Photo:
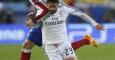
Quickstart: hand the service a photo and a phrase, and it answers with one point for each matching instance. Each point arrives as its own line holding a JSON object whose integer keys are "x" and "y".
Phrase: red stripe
{"x": 34, "y": 1}
{"x": 43, "y": 13}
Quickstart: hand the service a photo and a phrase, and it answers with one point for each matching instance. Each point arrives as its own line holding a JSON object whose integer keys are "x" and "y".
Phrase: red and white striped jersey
{"x": 41, "y": 8}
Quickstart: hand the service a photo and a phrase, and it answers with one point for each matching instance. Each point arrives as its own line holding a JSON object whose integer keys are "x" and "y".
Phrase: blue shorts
{"x": 35, "y": 35}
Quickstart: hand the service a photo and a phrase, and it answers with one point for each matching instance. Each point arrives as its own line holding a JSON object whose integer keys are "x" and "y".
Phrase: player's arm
{"x": 86, "y": 17}
{"x": 43, "y": 10}
{"x": 29, "y": 23}
{"x": 31, "y": 15}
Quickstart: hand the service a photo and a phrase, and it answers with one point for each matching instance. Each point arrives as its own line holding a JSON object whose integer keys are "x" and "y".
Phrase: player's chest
{"x": 59, "y": 16}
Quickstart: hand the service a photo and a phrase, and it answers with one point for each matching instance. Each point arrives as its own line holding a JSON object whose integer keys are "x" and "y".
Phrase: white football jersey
{"x": 54, "y": 29}
{"x": 54, "y": 26}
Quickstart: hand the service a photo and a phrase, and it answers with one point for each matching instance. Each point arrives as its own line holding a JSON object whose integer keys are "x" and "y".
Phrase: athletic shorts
{"x": 35, "y": 35}
{"x": 60, "y": 51}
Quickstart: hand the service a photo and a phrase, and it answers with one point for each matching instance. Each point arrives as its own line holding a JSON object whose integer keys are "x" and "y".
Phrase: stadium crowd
{"x": 101, "y": 10}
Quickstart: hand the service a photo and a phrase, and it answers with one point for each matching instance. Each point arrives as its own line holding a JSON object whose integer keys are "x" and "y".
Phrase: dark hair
{"x": 54, "y": 1}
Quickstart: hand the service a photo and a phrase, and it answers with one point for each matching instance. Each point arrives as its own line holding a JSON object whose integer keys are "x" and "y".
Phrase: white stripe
{"x": 26, "y": 50}
{"x": 36, "y": 6}
{"x": 32, "y": 2}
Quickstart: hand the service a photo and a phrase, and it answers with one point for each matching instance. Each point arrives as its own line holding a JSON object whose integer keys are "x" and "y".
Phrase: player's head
{"x": 52, "y": 5}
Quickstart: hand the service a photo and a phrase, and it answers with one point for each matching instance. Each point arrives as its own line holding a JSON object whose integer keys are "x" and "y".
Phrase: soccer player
{"x": 35, "y": 41}
{"x": 35, "y": 38}
{"x": 54, "y": 32}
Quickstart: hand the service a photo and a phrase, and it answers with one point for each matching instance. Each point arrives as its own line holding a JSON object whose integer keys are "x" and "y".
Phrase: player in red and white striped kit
{"x": 39, "y": 17}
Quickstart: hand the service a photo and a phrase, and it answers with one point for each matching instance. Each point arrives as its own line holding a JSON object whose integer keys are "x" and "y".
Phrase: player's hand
{"x": 29, "y": 23}
{"x": 100, "y": 27}
{"x": 31, "y": 15}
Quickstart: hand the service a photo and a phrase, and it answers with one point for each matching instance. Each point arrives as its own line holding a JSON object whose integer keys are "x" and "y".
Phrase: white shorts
{"x": 59, "y": 51}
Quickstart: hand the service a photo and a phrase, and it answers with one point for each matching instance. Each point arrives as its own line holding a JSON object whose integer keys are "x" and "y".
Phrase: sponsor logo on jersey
{"x": 54, "y": 23}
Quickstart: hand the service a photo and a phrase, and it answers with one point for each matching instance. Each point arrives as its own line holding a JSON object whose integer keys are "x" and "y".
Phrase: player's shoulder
{"x": 67, "y": 8}
{"x": 64, "y": 6}
{"x": 34, "y": 2}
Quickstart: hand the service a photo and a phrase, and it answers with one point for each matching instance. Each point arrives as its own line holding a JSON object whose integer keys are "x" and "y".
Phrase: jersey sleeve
{"x": 67, "y": 9}
{"x": 42, "y": 10}
{"x": 84, "y": 16}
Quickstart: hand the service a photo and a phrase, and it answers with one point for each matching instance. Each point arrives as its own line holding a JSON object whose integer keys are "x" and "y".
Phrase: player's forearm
{"x": 84, "y": 16}
{"x": 89, "y": 19}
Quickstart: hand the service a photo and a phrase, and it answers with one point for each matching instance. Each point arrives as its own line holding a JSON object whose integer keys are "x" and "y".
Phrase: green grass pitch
{"x": 103, "y": 52}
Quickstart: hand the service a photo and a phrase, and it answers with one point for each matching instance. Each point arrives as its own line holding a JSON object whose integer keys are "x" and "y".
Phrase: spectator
{"x": 5, "y": 15}
{"x": 110, "y": 15}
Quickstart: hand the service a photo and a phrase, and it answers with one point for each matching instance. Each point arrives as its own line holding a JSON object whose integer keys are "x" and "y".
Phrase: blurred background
{"x": 13, "y": 14}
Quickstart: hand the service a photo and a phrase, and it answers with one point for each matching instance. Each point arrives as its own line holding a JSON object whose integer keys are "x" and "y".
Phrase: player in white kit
{"x": 54, "y": 33}
{"x": 55, "y": 40}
